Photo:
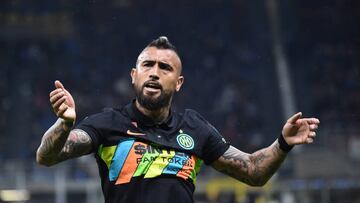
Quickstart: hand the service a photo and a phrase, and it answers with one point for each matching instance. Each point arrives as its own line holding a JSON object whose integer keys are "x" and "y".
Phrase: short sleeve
{"x": 92, "y": 126}
{"x": 215, "y": 145}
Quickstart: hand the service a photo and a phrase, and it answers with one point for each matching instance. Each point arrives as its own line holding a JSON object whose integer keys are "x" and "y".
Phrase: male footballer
{"x": 148, "y": 153}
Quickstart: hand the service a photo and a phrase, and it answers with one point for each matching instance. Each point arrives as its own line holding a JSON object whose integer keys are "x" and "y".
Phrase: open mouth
{"x": 152, "y": 86}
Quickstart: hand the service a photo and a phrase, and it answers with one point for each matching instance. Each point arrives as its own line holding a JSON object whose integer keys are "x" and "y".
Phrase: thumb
{"x": 294, "y": 118}
{"x": 58, "y": 84}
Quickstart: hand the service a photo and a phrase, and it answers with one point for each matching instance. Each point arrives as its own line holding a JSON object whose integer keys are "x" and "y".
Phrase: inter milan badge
{"x": 185, "y": 141}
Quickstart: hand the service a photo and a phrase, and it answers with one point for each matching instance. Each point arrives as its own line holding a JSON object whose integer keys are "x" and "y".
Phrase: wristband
{"x": 283, "y": 145}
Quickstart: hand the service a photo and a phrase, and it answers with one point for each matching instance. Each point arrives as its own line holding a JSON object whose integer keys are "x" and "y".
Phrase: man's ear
{"x": 179, "y": 82}
{"x": 132, "y": 74}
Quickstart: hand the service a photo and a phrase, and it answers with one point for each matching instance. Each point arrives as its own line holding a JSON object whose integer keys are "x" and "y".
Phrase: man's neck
{"x": 159, "y": 116}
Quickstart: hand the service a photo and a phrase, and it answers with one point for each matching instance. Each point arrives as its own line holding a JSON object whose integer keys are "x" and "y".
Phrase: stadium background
{"x": 247, "y": 66}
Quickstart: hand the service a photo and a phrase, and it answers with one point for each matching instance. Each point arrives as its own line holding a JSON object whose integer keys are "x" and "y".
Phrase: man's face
{"x": 156, "y": 77}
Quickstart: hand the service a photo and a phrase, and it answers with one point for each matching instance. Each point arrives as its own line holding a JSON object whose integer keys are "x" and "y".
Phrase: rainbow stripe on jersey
{"x": 132, "y": 158}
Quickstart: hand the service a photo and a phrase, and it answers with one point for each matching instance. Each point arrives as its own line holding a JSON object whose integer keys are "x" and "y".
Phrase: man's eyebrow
{"x": 161, "y": 63}
{"x": 148, "y": 61}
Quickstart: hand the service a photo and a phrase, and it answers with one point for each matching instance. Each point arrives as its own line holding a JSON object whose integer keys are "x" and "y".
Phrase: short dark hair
{"x": 162, "y": 43}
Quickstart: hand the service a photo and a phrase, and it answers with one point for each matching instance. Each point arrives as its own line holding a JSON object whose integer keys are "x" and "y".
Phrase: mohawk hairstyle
{"x": 162, "y": 43}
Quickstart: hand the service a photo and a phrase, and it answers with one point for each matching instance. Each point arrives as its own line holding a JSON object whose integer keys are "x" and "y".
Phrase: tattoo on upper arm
{"x": 77, "y": 144}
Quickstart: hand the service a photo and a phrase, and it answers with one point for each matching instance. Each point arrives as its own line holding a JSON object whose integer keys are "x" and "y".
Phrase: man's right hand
{"x": 59, "y": 142}
{"x": 63, "y": 104}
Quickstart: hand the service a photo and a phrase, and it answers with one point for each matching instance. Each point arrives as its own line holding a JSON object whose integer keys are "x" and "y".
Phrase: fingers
{"x": 58, "y": 84}
{"x": 61, "y": 110}
{"x": 312, "y": 134}
{"x": 312, "y": 120}
{"x": 309, "y": 140}
{"x": 58, "y": 99}
{"x": 311, "y": 137}
{"x": 52, "y": 93}
{"x": 294, "y": 118}
{"x": 313, "y": 126}
{"x": 302, "y": 128}
{"x": 58, "y": 92}
{"x": 55, "y": 97}
{"x": 58, "y": 103}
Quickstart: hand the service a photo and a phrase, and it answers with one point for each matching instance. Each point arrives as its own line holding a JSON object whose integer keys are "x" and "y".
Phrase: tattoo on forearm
{"x": 253, "y": 169}
{"x": 53, "y": 141}
{"x": 231, "y": 162}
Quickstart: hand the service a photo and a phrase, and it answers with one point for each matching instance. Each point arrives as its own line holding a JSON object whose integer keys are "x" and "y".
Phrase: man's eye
{"x": 148, "y": 63}
{"x": 165, "y": 66}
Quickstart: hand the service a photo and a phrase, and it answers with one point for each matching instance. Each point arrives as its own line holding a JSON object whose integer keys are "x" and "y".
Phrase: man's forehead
{"x": 164, "y": 55}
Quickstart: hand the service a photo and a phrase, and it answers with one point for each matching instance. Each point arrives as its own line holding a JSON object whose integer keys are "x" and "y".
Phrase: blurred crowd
{"x": 94, "y": 59}
{"x": 325, "y": 58}
{"x": 225, "y": 47}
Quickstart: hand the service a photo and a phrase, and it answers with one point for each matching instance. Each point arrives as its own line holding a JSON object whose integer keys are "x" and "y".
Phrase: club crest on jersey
{"x": 185, "y": 141}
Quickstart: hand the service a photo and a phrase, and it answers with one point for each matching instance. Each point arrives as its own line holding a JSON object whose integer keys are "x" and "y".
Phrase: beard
{"x": 153, "y": 103}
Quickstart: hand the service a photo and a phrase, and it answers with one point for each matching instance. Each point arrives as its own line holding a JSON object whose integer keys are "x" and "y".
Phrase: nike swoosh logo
{"x": 133, "y": 133}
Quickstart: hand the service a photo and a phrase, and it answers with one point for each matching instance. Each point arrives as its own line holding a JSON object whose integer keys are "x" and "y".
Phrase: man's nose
{"x": 155, "y": 71}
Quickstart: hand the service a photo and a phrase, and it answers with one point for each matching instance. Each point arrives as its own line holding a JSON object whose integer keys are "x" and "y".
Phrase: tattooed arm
{"x": 59, "y": 144}
{"x": 253, "y": 169}
{"x": 257, "y": 168}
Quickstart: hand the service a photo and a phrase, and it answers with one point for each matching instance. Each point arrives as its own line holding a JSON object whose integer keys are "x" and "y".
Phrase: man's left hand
{"x": 299, "y": 130}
